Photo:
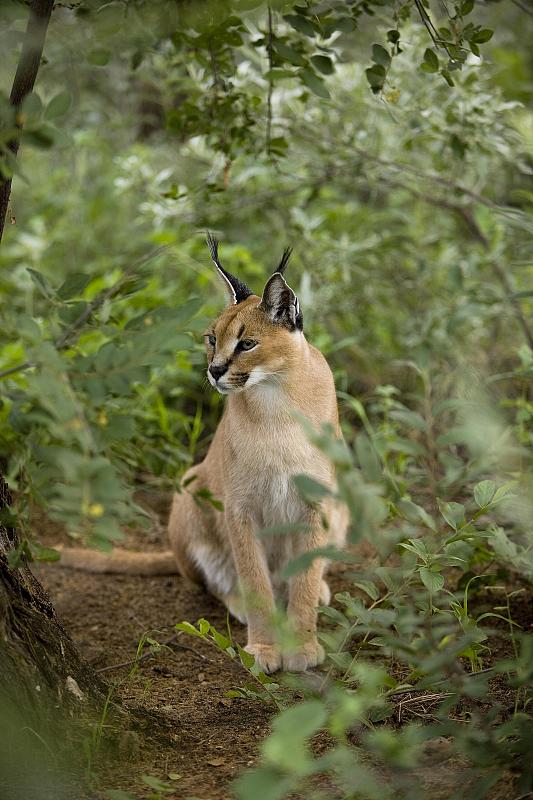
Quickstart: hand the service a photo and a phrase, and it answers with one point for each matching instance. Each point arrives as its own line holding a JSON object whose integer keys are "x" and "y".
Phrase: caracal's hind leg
{"x": 201, "y": 554}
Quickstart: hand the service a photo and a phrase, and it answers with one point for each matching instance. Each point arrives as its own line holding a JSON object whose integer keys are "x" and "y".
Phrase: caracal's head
{"x": 255, "y": 339}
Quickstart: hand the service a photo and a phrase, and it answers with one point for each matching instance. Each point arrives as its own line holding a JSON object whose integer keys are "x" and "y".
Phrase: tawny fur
{"x": 160, "y": 563}
{"x": 258, "y": 447}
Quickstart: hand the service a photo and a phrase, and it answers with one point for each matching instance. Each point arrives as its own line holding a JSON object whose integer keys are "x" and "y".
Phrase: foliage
{"x": 261, "y": 687}
{"x": 389, "y": 144}
{"x": 305, "y": 50}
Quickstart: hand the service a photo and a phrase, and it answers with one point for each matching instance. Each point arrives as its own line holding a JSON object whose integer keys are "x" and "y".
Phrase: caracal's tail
{"x": 119, "y": 561}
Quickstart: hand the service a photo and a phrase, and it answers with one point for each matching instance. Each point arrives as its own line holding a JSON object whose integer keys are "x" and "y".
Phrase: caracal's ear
{"x": 279, "y": 302}
{"x": 237, "y": 290}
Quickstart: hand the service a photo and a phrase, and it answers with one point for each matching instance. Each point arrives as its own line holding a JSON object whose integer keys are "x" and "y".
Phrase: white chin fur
{"x": 221, "y": 389}
{"x": 257, "y": 375}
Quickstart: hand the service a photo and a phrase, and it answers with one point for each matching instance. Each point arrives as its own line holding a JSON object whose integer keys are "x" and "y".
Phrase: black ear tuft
{"x": 280, "y": 303}
{"x": 238, "y": 291}
{"x": 284, "y": 260}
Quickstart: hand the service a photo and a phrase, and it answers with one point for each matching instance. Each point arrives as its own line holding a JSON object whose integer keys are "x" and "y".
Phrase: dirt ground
{"x": 211, "y": 739}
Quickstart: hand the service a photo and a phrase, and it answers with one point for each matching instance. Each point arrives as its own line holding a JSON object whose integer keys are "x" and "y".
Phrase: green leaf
{"x": 369, "y": 587}
{"x": 247, "y": 659}
{"x": 99, "y": 57}
{"x": 313, "y": 82}
{"x": 407, "y": 446}
{"x": 42, "y": 136}
{"x": 284, "y": 529}
{"x": 289, "y": 54}
{"x": 285, "y": 748}
{"x": 279, "y": 144}
{"x": 410, "y": 418}
{"x": 120, "y": 427}
{"x": 433, "y": 581}
{"x": 234, "y": 693}
{"x": 376, "y": 77}
{"x": 304, "y": 560}
{"x": 73, "y": 285}
{"x": 482, "y": 36}
{"x": 58, "y": 105}
{"x": 417, "y": 546}
{"x": 222, "y": 641}
{"x": 41, "y": 282}
{"x": 301, "y": 24}
{"x": 186, "y": 627}
{"x": 203, "y": 626}
{"x": 342, "y": 24}
{"x": 137, "y": 59}
{"x": 415, "y": 513}
{"x": 368, "y": 458}
{"x": 45, "y": 553}
{"x": 447, "y": 77}
{"x": 484, "y": 492}
{"x": 264, "y": 782}
{"x": 503, "y": 491}
{"x": 279, "y": 74}
{"x": 31, "y": 105}
{"x": 431, "y": 61}
{"x": 159, "y": 786}
{"x": 323, "y": 64}
{"x": 310, "y": 489}
{"x": 453, "y": 513}
{"x": 380, "y": 55}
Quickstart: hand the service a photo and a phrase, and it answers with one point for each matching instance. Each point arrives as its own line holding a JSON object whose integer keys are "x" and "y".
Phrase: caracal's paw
{"x": 305, "y": 657}
{"x": 268, "y": 656}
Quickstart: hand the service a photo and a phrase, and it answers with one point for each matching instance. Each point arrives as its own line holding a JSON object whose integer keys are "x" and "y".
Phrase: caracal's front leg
{"x": 256, "y": 587}
{"x": 305, "y": 592}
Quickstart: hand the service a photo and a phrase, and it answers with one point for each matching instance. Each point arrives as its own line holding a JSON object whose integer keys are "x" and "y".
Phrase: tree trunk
{"x": 54, "y": 709}
{"x": 48, "y": 694}
{"x": 30, "y": 58}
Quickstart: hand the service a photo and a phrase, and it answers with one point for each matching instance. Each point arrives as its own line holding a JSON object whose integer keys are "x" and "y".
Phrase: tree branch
{"x": 28, "y": 66}
{"x": 523, "y": 7}
{"x": 466, "y": 215}
{"x": 270, "y": 81}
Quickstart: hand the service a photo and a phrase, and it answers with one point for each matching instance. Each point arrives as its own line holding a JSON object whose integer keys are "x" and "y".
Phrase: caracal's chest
{"x": 268, "y": 451}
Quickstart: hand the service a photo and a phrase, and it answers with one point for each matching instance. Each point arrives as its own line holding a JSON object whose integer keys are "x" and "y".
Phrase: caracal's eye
{"x": 212, "y": 339}
{"x": 247, "y": 344}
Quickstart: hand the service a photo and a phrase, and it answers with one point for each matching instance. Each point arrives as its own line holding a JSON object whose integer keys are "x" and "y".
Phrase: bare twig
{"x": 17, "y": 368}
{"x": 432, "y": 177}
{"x": 432, "y": 31}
